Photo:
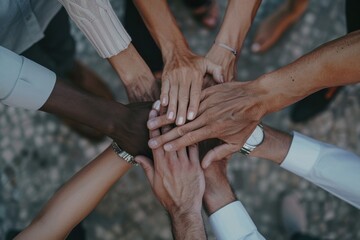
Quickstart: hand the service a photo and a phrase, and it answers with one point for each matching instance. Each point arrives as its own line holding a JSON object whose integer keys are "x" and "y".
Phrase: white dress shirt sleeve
{"x": 232, "y": 222}
{"x": 98, "y": 21}
{"x": 24, "y": 83}
{"x": 329, "y": 167}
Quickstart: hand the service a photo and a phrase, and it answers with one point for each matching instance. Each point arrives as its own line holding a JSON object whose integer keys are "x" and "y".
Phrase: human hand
{"x": 176, "y": 178}
{"x": 229, "y": 112}
{"x": 142, "y": 89}
{"x": 130, "y": 131}
{"x": 182, "y": 81}
{"x": 224, "y": 58}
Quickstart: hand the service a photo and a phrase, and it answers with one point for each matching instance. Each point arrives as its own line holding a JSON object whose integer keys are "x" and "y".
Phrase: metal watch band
{"x": 247, "y": 148}
{"x": 123, "y": 154}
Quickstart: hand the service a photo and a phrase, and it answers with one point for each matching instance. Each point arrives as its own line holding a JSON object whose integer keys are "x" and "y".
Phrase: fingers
{"x": 194, "y": 154}
{"x": 176, "y": 132}
{"x": 183, "y": 101}
{"x": 148, "y": 167}
{"x": 156, "y": 105}
{"x": 158, "y": 122}
{"x": 164, "y": 96}
{"x": 171, "y": 113}
{"x": 183, "y": 156}
{"x": 195, "y": 94}
{"x": 218, "y": 153}
{"x": 215, "y": 70}
{"x": 188, "y": 139}
{"x": 153, "y": 132}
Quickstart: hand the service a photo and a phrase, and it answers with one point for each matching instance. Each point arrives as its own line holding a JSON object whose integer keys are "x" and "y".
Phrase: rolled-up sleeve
{"x": 24, "y": 83}
{"x": 98, "y": 21}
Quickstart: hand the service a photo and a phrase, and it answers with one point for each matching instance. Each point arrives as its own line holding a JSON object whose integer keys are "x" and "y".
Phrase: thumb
{"x": 215, "y": 70}
{"x": 218, "y": 153}
{"x": 148, "y": 167}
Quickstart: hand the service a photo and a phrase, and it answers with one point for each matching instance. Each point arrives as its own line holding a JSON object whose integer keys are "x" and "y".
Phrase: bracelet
{"x": 123, "y": 154}
{"x": 232, "y": 50}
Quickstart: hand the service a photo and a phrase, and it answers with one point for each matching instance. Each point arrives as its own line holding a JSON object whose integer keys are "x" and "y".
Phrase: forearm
{"x": 162, "y": 26}
{"x": 187, "y": 225}
{"x": 138, "y": 79}
{"x": 218, "y": 191}
{"x": 333, "y": 64}
{"x": 237, "y": 22}
{"x": 95, "y": 112}
{"x": 77, "y": 198}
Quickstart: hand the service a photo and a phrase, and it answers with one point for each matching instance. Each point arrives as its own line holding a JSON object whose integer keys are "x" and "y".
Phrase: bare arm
{"x": 236, "y": 24}
{"x": 77, "y": 198}
{"x": 126, "y": 124}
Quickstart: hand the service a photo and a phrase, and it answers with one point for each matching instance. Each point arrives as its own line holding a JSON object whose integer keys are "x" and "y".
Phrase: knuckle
{"x": 190, "y": 137}
{"x": 180, "y": 131}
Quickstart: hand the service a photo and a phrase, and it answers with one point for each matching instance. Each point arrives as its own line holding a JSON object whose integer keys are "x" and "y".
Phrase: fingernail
{"x": 152, "y": 114}
{"x": 180, "y": 121}
{"x": 170, "y": 115}
{"x": 156, "y": 105}
{"x": 222, "y": 79}
{"x": 153, "y": 143}
{"x": 191, "y": 115}
{"x": 168, "y": 147}
{"x": 164, "y": 102}
{"x": 255, "y": 47}
{"x": 205, "y": 165}
{"x": 151, "y": 124}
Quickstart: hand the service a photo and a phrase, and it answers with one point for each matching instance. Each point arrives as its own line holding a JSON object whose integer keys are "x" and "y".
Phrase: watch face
{"x": 256, "y": 137}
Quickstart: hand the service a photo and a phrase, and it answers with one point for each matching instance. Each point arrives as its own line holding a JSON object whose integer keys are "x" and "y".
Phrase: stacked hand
{"x": 178, "y": 182}
{"x": 229, "y": 112}
{"x": 182, "y": 81}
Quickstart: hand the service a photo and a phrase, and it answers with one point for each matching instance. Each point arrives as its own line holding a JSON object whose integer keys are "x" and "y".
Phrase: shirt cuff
{"x": 98, "y": 21}
{"x": 32, "y": 87}
{"x": 302, "y": 155}
{"x": 232, "y": 222}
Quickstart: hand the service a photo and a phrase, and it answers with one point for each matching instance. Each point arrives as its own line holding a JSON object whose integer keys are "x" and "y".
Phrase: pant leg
{"x": 141, "y": 38}
{"x": 352, "y": 15}
{"x": 56, "y": 50}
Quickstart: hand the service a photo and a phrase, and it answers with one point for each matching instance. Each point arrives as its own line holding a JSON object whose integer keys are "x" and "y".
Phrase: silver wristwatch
{"x": 255, "y": 139}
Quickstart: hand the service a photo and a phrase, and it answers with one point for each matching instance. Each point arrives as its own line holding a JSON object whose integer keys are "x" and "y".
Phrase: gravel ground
{"x": 38, "y": 153}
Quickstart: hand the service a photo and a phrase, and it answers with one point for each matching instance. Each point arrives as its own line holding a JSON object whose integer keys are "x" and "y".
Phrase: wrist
{"x": 218, "y": 198}
{"x": 182, "y": 216}
{"x": 275, "y": 146}
{"x": 175, "y": 48}
{"x": 130, "y": 66}
{"x": 114, "y": 117}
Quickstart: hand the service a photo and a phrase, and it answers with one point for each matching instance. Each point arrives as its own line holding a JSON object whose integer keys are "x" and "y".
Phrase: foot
{"x": 87, "y": 80}
{"x": 292, "y": 214}
{"x": 314, "y": 104}
{"x": 272, "y": 28}
{"x": 208, "y": 14}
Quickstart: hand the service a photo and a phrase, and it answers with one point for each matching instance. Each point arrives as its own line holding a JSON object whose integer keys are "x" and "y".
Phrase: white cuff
{"x": 98, "y": 21}
{"x": 302, "y": 155}
{"x": 232, "y": 222}
{"x": 24, "y": 83}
